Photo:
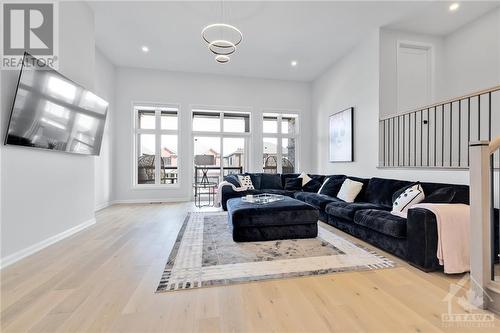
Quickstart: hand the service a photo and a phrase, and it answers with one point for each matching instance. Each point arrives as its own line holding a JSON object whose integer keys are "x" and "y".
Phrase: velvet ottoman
{"x": 285, "y": 219}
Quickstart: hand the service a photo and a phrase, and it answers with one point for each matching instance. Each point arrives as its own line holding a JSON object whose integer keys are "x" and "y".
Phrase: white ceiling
{"x": 314, "y": 33}
{"x": 438, "y": 20}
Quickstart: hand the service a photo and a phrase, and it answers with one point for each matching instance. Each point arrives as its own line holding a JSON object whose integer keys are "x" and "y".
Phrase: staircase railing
{"x": 484, "y": 221}
{"x": 438, "y": 135}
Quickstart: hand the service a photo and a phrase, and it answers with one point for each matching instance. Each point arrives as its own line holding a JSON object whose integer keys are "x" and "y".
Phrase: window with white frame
{"x": 279, "y": 143}
{"x": 223, "y": 135}
{"x": 156, "y": 145}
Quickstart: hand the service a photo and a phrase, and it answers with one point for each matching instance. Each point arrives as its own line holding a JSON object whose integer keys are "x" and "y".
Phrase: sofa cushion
{"x": 271, "y": 181}
{"x": 381, "y": 221}
{"x": 411, "y": 196}
{"x": 314, "y": 199}
{"x": 301, "y": 195}
{"x": 256, "y": 179}
{"x": 396, "y": 194}
{"x": 349, "y": 190}
{"x": 450, "y": 194}
{"x": 285, "y": 176}
{"x": 361, "y": 195}
{"x": 379, "y": 191}
{"x": 246, "y": 181}
{"x": 319, "y": 178}
{"x": 305, "y": 178}
{"x": 346, "y": 210}
{"x": 287, "y": 193}
{"x": 331, "y": 185}
{"x": 312, "y": 186}
{"x": 233, "y": 179}
{"x": 293, "y": 184}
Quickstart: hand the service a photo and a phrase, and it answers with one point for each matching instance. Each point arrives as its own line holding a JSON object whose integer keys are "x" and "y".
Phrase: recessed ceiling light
{"x": 293, "y": 63}
{"x": 454, "y": 6}
{"x": 145, "y": 49}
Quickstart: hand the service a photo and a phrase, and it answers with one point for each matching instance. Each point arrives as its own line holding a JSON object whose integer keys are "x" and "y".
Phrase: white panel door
{"x": 414, "y": 76}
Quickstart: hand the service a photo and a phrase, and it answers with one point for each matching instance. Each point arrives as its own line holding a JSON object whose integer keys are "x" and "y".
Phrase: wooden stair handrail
{"x": 448, "y": 101}
{"x": 494, "y": 145}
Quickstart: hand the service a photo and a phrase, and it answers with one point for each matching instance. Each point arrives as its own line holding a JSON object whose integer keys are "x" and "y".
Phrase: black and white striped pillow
{"x": 411, "y": 196}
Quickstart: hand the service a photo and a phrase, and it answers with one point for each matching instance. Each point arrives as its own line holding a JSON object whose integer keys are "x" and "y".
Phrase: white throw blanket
{"x": 218, "y": 198}
{"x": 453, "y": 222}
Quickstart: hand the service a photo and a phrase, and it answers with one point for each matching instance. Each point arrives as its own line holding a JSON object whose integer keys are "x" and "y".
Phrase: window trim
{"x": 280, "y": 136}
{"x": 221, "y": 110}
{"x": 158, "y": 132}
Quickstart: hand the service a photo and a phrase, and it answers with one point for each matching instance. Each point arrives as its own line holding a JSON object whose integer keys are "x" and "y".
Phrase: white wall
{"x": 473, "y": 56}
{"x": 388, "y": 66}
{"x": 141, "y": 85}
{"x": 105, "y": 88}
{"x": 354, "y": 81}
{"x": 45, "y": 193}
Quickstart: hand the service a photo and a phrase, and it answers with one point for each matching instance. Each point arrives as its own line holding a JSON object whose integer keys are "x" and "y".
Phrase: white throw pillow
{"x": 246, "y": 181}
{"x": 349, "y": 190}
{"x": 411, "y": 196}
{"x": 305, "y": 178}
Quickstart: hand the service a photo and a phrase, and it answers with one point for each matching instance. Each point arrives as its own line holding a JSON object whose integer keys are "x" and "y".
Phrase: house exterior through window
{"x": 156, "y": 159}
{"x": 279, "y": 144}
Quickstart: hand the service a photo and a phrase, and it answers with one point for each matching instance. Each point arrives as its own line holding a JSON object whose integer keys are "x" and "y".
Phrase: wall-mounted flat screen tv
{"x": 52, "y": 112}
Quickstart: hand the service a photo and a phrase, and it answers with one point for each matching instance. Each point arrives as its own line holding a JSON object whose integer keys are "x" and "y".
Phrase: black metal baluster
{"x": 404, "y": 139}
{"x": 393, "y": 140}
{"x": 492, "y": 214}
{"x": 468, "y": 131}
{"x": 414, "y": 139}
{"x": 442, "y": 135}
{"x": 428, "y": 138}
{"x": 489, "y": 117}
{"x": 384, "y": 140}
{"x": 478, "y": 117}
{"x": 398, "y": 138}
{"x": 421, "y": 136}
{"x": 451, "y": 133}
{"x": 435, "y": 137}
{"x": 459, "y": 131}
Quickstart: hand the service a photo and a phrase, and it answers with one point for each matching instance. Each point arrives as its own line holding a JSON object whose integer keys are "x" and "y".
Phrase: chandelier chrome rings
{"x": 221, "y": 27}
{"x": 222, "y": 47}
{"x": 222, "y": 40}
{"x": 222, "y": 59}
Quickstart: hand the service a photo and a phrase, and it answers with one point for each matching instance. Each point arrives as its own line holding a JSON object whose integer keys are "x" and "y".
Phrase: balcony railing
{"x": 438, "y": 135}
{"x": 214, "y": 176}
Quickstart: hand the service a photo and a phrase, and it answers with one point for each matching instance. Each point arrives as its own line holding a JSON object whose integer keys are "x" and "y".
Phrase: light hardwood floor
{"x": 103, "y": 280}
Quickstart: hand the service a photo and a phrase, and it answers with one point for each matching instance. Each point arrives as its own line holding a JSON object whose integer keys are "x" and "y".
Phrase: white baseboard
{"x": 10, "y": 259}
{"x": 103, "y": 205}
{"x": 144, "y": 201}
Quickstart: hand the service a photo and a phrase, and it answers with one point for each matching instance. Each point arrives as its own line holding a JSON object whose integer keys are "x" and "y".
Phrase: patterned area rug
{"x": 205, "y": 255}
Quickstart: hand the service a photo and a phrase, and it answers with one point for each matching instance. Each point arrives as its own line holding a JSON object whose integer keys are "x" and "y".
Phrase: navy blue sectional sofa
{"x": 368, "y": 218}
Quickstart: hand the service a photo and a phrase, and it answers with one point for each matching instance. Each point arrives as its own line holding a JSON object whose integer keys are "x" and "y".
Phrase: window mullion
{"x": 157, "y": 147}
{"x": 279, "y": 148}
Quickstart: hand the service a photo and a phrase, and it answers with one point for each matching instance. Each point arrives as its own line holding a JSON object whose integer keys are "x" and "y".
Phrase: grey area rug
{"x": 205, "y": 255}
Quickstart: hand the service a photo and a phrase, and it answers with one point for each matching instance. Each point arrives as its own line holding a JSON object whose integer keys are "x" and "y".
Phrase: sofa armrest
{"x": 227, "y": 193}
{"x": 422, "y": 239}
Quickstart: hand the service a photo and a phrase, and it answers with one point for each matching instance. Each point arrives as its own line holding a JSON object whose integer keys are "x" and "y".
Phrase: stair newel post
{"x": 480, "y": 240}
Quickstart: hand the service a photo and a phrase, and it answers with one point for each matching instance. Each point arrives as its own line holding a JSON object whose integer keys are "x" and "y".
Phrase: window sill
{"x": 157, "y": 187}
